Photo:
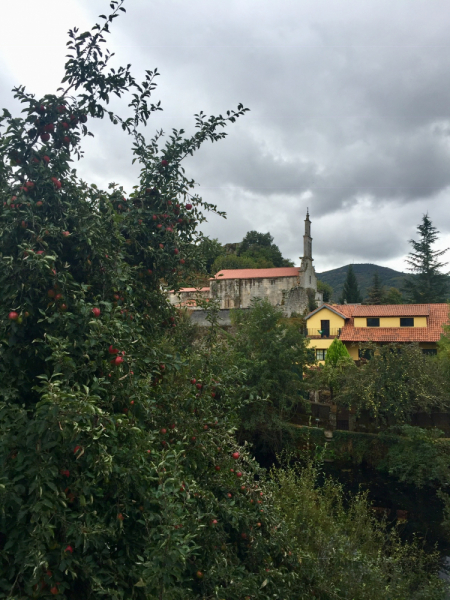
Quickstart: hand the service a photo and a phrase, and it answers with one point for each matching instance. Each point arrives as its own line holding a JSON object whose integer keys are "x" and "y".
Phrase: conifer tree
{"x": 376, "y": 291}
{"x": 350, "y": 292}
{"x": 429, "y": 283}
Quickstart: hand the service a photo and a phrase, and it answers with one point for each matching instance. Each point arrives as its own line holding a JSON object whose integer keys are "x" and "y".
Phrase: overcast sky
{"x": 349, "y": 99}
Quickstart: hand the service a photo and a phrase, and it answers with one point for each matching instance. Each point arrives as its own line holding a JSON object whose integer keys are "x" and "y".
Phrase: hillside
{"x": 364, "y": 275}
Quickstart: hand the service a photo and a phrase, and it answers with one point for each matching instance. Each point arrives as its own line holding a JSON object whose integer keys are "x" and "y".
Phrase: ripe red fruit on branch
{"x": 75, "y": 450}
{"x": 49, "y": 127}
{"x": 29, "y": 185}
{"x": 65, "y": 125}
{"x": 69, "y": 549}
{"x": 39, "y": 203}
{"x": 217, "y": 468}
{"x": 120, "y": 516}
{"x": 13, "y": 316}
{"x": 112, "y": 350}
{"x": 164, "y": 163}
{"x": 163, "y": 431}
{"x": 66, "y": 233}
{"x": 199, "y": 386}
{"x": 238, "y": 474}
{"x": 176, "y": 251}
{"x": 46, "y": 159}
{"x": 199, "y": 575}
{"x": 235, "y": 455}
{"x": 66, "y": 140}
{"x": 54, "y": 590}
{"x": 214, "y": 522}
{"x": 45, "y": 137}
{"x": 193, "y": 381}
{"x": 61, "y": 109}
{"x": 96, "y": 312}
{"x": 118, "y": 360}
{"x": 188, "y": 206}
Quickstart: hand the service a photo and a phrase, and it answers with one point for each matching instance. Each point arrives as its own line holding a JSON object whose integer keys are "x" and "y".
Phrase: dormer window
{"x": 373, "y": 322}
{"x": 406, "y": 321}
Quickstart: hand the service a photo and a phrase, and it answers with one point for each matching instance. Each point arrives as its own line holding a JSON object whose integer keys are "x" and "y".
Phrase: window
{"x": 429, "y": 351}
{"x": 320, "y": 354}
{"x": 373, "y": 322}
{"x": 406, "y": 321}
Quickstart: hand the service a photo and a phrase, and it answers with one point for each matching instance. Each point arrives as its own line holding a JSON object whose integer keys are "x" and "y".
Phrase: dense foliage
{"x": 345, "y": 552}
{"x": 120, "y": 476}
{"x": 273, "y": 355}
{"x": 393, "y": 384}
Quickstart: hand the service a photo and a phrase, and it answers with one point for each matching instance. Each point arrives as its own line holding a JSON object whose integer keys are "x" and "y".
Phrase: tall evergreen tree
{"x": 376, "y": 291}
{"x": 350, "y": 292}
{"x": 429, "y": 283}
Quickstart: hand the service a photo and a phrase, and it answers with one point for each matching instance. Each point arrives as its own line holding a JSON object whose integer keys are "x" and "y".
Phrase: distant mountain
{"x": 364, "y": 274}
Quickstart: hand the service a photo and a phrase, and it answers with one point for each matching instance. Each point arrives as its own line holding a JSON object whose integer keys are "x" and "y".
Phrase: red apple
{"x": 176, "y": 251}
{"x": 238, "y": 474}
{"x": 61, "y": 109}
{"x": 69, "y": 549}
{"x": 46, "y": 159}
{"x": 65, "y": 125}
{"x": 163, "y": 431}
{"x": 188, "y": 206}
{"x": 199, "y": 386}
{"x": 45, "y": 137}
{"x": 118, "y": 360}
{"x": 54, "y": 590}
{"x": 217, "y": 468}
{"x": 164, "y": 163}
{"x": 96, "y": 312}
{"x": 39, "y": 203}
{"x": 113, "y": 350}
{"x": 199, "y": 575}
{"x": 66, "y": 140}
{"x": 235, "y": 455}
{"x": 66, "y": 233}
{"x": 49, "y": 127}
{"x": 13, "y": 316}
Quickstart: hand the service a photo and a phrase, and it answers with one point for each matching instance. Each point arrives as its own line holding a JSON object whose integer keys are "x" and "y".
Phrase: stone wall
{"x": 238, "y": 293}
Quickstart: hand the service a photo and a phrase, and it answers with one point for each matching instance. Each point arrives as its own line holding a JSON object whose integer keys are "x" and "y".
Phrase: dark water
{"x": 418, "y": 509}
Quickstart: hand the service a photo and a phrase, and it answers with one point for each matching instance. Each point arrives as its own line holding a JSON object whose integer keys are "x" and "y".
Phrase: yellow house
{"x": 355, "y": 324}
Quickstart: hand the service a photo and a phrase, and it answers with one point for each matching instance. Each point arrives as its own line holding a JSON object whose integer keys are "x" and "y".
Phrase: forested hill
{"x": 364, "y": 275}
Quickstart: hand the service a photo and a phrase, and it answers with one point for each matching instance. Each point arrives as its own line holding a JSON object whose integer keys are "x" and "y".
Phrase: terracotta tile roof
{"x": 392, "y": 310}
{"x": 438, "y": 315}
{"x": 257, "y": 273}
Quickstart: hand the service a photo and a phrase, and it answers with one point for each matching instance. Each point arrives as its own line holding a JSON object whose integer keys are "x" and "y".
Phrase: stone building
{"x": 289, "y": 288}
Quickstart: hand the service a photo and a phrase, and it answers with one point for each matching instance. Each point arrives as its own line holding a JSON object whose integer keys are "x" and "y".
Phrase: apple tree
{"x": 120, "y": 476}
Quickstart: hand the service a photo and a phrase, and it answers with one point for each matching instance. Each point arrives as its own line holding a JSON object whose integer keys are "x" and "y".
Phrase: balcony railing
{"x": 323, "y": 333}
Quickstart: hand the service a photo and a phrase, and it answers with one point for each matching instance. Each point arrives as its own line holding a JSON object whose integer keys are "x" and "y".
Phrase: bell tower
{"x": 307, "y": 239}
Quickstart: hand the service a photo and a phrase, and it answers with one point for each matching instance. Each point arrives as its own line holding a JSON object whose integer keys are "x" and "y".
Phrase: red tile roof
{"x": 257, "y": 273}
{"x": 392, "y": 310}
{"x": 438, "y": 315}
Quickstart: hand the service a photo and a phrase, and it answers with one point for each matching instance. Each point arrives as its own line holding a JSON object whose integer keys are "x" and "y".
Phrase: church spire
{"x": 307, "y": 239}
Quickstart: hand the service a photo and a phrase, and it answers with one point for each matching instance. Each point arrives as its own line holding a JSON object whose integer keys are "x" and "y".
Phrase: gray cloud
{"x": 350, "y": 115}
